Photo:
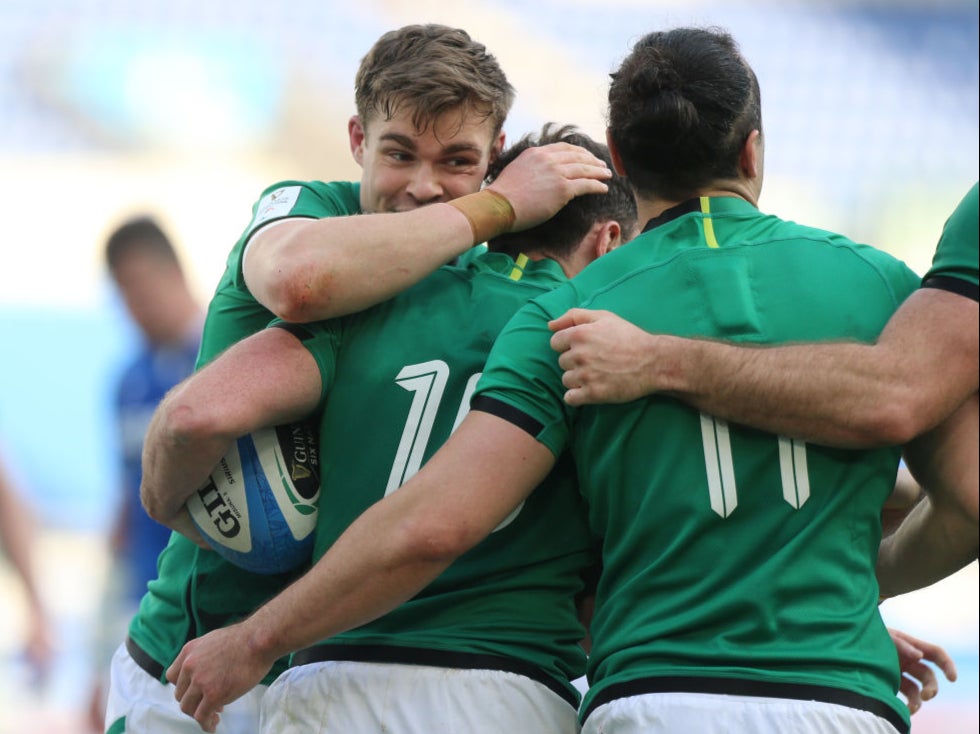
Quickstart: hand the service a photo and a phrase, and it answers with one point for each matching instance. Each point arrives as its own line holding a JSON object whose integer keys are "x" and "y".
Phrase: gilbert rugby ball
{"x": 258, "y": 508}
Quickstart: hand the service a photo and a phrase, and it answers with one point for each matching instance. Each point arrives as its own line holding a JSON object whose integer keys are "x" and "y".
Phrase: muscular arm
{"x": 303, "y": 270}
{"x": 265, "y": 380}
{"x": 907, "y": 494}
{"x": 390, "y": 553}
{"x": 940, "y": 535}
{"x": 923, "y": 366}
{"x": 307, "y": 270}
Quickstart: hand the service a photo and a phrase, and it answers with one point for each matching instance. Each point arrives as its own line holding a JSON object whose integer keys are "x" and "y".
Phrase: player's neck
{"x": 653, "y": 206}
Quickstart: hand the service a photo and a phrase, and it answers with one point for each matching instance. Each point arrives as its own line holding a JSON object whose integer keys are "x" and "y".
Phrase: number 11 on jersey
{"x": 720, "y": 467}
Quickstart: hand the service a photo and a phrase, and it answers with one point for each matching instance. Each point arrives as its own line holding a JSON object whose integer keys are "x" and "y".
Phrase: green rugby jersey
{"x": 397, "y": 379}
{"x": 197, "y": 591}
{"x": 955, "y": 264}
{"x": 728, "y": 553}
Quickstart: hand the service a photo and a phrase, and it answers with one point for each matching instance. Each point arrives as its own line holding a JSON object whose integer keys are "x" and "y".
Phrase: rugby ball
{"x": 258, "y": 508}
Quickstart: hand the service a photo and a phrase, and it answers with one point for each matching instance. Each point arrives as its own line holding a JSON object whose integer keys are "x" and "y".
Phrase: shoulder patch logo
{"x": 276, "y": 204}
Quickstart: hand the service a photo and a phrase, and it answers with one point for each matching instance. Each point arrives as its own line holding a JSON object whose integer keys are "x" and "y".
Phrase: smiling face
{"x": 404, "y": 169}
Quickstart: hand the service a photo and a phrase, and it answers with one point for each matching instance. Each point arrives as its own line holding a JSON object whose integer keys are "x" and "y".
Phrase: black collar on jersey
{"x": 689, "y": 206}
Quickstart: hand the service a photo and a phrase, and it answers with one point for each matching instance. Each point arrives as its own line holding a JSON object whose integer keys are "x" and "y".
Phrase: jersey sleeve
{"x": 290, "y": 199}
{"x": 296, "y": 200}
{"x": 322, "y": 341}
{"x": 955, "y": 264}
{"x": 521, "y": 382}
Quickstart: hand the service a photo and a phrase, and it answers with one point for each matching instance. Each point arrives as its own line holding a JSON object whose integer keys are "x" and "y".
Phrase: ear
{"x": 750, "y": 159}
{"x": 617, "y": 160}
{"x": 497, "y": 146}
{"x": 608, "y": 237}
{"x": 600, "y": 239}
{"x": 357, "y": 135}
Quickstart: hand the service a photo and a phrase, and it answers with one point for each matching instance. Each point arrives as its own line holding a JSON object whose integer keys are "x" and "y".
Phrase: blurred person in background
{"x": 431, "y": 104}
{"x": 147, "y": 273}
{"x": 18, "y": 536}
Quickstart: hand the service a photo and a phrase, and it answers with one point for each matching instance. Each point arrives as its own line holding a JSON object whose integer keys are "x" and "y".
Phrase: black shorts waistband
{"x": 143, "y": 659}
{"x": 741, "y": 687}
{"x": 434, "y": 658}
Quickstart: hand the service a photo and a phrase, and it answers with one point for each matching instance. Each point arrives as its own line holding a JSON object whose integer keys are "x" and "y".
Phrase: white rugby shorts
{"x": 149, "y": 706}
{"x": 712, "y": 713}
{"x": 342, "y": 697}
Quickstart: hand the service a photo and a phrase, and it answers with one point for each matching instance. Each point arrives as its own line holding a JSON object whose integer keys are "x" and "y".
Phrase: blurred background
{"x": 186, "y": 110}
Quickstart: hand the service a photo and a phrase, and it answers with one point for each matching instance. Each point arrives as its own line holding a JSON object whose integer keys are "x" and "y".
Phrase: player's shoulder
{"x": 282, "y": 196}
{"x": 819, "y": 235}
{"x": 348, "y": 192}
{"x": 865, "y": 261}
{"x": 297, "y": 199}
{"x": 969, "y": 206}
